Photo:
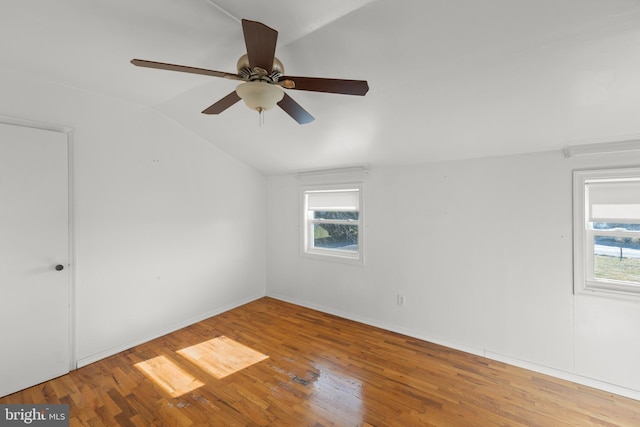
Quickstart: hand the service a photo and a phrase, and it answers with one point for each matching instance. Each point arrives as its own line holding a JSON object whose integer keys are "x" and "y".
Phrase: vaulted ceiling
{"x": 448, "y": 79}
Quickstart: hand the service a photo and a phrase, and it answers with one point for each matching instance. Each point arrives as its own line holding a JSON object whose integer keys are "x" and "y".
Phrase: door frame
{"x": 14, "y": 121}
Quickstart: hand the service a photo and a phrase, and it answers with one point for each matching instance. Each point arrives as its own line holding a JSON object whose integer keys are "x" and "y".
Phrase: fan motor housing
{"x": 252, "y": 74}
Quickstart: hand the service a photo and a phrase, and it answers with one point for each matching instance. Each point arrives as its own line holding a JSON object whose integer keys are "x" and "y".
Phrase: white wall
{"x": 168, "y": 228}
{"x": 482, "y": 251}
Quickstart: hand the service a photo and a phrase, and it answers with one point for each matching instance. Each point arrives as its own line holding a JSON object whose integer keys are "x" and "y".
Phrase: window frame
{"x": 307, "y": 249}
{"x": 585, "y": 281}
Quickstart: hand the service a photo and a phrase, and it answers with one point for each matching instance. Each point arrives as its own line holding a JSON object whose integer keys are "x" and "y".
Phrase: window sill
{"x": 610, "y": 290}
{"x": 333, "y": 257}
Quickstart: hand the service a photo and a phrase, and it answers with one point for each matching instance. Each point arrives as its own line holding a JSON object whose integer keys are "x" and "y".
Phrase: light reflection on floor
{"x": 221, "y": 356}
{"x": 337, "y": 393}
{"x": 169, "y": 376}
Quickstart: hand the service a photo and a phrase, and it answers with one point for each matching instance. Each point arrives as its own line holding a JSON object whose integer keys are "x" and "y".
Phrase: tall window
{"x": 333, "y": 221}
{"x": 607, "y": 231}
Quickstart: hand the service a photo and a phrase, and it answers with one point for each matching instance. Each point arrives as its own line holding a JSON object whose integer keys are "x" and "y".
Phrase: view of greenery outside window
{"x": 616, "y": 253}
{"x": 608, "y": 235}
{"x": 333, "y": 221}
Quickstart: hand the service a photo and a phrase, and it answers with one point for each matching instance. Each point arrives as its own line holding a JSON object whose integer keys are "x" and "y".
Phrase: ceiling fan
{"x": 263, "y": 77}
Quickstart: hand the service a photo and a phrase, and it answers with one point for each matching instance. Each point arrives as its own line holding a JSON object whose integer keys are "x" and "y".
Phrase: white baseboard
{"x": 568, "y": 376}
{"x": 381, "y": 325}
{"x": 126, "y": 346}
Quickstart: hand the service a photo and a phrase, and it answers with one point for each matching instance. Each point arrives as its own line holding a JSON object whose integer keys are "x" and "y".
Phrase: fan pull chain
{"x": 260, "y": 116}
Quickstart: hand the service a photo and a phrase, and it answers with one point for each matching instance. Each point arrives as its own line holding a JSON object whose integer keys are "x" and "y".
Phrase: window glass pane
{"x": 612, "y": 268}
{"x": 617, "y": 258}
{"x": 336, "y": 215}
{"x": 336, "y": 236}
{"x": 615, "y": 225}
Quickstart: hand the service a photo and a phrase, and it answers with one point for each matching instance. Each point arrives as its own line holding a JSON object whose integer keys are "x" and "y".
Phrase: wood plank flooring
{"x": 270, "y": 363}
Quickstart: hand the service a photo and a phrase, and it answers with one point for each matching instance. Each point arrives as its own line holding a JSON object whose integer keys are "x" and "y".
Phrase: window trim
{"x": 356, "y": 257}
{"x": 583, "y": 274}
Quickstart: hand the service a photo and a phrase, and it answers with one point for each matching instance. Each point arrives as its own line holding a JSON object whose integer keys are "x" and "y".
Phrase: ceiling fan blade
{"x": 318, "y": 84}
{"x": 184, "y": 69}
{"x": 294, "y": 109}
{"x": 223, "y": 104}
{"x": 261, "y": 44}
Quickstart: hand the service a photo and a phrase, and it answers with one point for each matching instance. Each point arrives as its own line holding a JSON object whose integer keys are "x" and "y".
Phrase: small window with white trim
{"x": 607, "y": 231}
{"x": 333, "y": 221}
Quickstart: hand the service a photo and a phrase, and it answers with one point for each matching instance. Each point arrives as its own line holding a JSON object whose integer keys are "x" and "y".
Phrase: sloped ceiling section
{"x": 449, "y": 79}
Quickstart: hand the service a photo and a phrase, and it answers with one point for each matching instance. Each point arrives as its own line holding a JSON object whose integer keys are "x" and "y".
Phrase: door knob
{"x": 59, "y": 267}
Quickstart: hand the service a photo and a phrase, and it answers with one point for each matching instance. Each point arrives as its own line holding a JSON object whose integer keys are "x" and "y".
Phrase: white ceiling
{"x": 448, "y": 79}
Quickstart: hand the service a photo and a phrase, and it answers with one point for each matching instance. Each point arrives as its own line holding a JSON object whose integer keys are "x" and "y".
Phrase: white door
{"x": 34, "y": 257}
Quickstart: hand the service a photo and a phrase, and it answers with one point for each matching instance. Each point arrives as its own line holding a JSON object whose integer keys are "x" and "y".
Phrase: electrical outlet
{"x": 401, "y": 300}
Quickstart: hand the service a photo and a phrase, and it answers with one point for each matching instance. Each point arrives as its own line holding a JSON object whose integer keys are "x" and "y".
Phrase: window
{"x": 607, "y": 231}
{"x": 333, "y": 221}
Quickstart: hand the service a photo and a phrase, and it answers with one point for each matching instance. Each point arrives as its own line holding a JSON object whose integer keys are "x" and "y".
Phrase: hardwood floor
{"x": 269, "y": 363}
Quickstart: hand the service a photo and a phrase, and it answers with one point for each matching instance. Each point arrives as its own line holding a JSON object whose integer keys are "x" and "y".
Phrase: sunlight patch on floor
{"x": 221, "y": 356}
{"x": 169, "y": 376}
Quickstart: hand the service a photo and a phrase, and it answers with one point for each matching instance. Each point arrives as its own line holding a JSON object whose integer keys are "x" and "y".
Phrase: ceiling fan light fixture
{"x": 264, "y": 77}
{"x": 259, "y": 95}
